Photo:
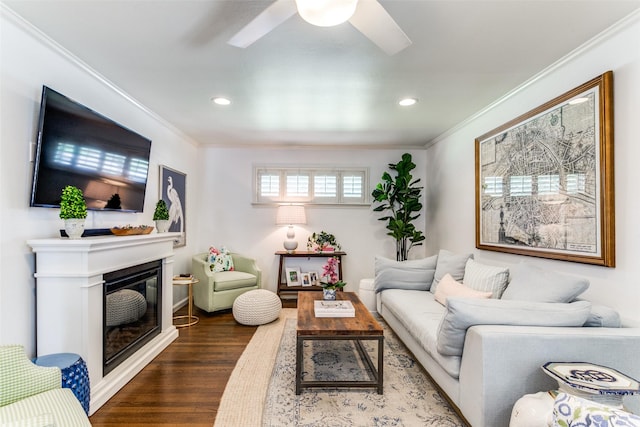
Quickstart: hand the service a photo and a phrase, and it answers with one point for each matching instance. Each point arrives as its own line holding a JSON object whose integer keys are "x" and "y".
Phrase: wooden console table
{"x": 291, "y": 292}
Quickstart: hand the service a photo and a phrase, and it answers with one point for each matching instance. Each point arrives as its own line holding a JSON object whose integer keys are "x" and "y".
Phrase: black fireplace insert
{"x": 131, "y": 311}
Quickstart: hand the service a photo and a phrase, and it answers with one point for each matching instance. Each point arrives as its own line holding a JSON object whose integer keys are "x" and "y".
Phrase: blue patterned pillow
{"x": 569, "y": 410}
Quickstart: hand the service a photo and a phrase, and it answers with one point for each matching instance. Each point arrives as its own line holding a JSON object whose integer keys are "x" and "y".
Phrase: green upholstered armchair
{"x": 218, "y": 291}
{"x": 33, "y": 395}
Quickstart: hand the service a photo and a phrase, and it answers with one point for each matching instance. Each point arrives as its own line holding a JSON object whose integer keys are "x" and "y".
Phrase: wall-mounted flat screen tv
{"x": 77, "y": 146}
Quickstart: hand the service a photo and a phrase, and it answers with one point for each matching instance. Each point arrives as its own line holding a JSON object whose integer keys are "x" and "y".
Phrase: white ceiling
{"x": 306, "y": 85}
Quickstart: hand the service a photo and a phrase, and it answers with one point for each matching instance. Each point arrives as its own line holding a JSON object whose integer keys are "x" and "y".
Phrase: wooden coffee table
{"x": 357, "y": 329}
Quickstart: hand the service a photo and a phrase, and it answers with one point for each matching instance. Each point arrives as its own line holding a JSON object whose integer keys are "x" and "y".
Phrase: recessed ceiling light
{"x": 220, "y": 100}
{"x": 406, "y": 102}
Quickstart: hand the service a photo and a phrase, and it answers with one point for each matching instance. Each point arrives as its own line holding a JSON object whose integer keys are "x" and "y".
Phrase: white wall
{"x": 29, "y": 61}
{"x": 450, "y": 166}
{"x": 228, "y": 217}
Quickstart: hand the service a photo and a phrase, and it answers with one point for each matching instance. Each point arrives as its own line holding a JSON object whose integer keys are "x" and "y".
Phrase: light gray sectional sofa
{"x": 486, "y": 347}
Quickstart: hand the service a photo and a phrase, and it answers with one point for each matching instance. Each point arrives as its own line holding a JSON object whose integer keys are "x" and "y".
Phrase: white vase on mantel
{"x": 74, "y": 227}
{"x": 162, "y": 225}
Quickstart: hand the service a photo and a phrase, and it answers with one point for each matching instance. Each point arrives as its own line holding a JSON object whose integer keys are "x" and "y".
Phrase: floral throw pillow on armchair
{"x": 220, "y": 259}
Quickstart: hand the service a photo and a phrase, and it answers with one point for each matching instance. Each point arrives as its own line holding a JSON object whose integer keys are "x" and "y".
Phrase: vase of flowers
{"x": 331, "y": 282}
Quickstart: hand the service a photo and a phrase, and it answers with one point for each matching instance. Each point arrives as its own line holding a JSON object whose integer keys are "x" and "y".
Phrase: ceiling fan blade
{"x": 270, "y": 18}
{"x": 372, "y": 20}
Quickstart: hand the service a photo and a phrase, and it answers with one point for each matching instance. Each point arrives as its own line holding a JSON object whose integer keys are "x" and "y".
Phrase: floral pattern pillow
{"x": 573, "y": 411}
{"x": 220, "y": 259}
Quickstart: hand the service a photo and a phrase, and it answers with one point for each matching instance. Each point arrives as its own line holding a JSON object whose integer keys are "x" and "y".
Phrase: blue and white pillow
{"x": 569, "y": 410}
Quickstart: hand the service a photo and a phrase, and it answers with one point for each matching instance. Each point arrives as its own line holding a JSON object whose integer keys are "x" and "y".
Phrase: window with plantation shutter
{"x": 311, "y": 185}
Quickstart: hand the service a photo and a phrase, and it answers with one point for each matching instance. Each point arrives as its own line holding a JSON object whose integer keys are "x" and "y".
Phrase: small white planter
{"x": 74, "y": 227}
{"x": 162, "y": 225}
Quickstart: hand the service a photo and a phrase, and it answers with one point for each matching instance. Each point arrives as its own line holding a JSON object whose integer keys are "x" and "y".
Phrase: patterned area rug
{"x": 409, "y": 398}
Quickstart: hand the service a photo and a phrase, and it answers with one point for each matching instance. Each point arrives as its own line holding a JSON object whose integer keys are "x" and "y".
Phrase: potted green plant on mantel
{"x": 161, "y": 216}
{"x": 401, "y": 197}
{"x": 73, "y": 210}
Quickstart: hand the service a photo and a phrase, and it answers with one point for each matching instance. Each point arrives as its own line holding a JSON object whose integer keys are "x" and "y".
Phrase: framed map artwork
{"x": 544, "y": 181}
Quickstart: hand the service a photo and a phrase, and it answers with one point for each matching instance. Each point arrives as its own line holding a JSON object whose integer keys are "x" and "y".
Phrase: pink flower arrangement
{"x": 330, "y": 274}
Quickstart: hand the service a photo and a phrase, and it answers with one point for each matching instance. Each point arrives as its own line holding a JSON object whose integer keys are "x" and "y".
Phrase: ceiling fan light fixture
{"x": 219, "y": 100}
{"x": 407, "y": 102}
{"x": 326, "y": 13}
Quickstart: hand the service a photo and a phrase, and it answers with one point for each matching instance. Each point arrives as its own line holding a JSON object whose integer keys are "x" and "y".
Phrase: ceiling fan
{"x": 368, "y": 16}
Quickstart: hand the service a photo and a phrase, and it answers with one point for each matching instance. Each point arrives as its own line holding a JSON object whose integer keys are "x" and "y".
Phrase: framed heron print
{"x": 173, "y": 186}
{"x": 544, "y": 180}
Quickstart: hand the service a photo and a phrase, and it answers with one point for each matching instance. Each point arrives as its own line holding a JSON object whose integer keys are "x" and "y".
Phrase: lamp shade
{"x": 326, "y": 13}
{"x": 291, "y": 214}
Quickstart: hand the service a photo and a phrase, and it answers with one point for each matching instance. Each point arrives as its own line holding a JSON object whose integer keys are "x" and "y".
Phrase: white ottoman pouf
{"x": 257, "y": 307}
{"x": 124, "y": 306}
{"x": 367, "y": 294}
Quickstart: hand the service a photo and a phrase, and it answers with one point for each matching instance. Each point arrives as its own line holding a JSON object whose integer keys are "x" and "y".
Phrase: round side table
{"x": 74, "y": 374}
{"x": 189, "y": 319}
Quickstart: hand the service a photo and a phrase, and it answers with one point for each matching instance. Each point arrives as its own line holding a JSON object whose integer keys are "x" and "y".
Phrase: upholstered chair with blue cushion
{"x": 217, "y": 290}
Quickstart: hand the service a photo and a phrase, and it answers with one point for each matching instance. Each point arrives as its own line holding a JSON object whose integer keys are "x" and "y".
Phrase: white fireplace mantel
{"x": 69, "y": 301}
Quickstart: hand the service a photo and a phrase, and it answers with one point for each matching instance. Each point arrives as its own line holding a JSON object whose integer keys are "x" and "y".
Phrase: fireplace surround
{"x": 70, "y": 299}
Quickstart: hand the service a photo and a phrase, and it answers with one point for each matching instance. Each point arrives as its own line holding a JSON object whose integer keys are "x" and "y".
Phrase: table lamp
{"x": 290, "y": 215}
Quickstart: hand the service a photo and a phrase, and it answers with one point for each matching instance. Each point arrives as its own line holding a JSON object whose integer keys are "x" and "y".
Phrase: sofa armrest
{"x": 247, "y": 265}
{"x": 500, "y": 364}
{"x": 20, "y": 378}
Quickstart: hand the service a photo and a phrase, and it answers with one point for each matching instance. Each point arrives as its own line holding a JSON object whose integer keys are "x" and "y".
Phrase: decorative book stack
{"x": 338, "y": 308}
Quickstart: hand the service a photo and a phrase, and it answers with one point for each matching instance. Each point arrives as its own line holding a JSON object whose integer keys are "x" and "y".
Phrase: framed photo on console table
{"x": 173, "y": 188}
{"x": 293, "y": 276}
{"x": 544, "y": 180}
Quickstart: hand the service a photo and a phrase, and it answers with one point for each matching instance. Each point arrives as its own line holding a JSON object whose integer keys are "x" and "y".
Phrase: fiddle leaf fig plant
{"x": 400, "y": 197}
{"x": 72, "y": 204}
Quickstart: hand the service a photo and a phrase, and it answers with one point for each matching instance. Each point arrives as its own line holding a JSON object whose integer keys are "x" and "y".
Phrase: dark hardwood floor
{"x": 184, "y": 384}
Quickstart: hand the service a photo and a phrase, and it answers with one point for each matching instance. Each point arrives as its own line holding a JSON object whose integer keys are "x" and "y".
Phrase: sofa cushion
{"x": 420, "y": 314}
{"x": 531, "y": 283}
{"x": 414, "y": 274}
{"x": 451, "y": 263}
{"x": 485, "y": 278}
{"x": 41, "y": 420}
{"x": 60, "y": 404}
{"x": 226, "y": 280}
{"x": 462, "y": 313}
{"x": 604, "y": 317}
{"x": 450, "y": 288}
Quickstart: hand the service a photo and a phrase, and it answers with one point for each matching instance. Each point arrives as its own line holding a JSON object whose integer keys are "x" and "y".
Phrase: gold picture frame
{"x": 545, "y": 180}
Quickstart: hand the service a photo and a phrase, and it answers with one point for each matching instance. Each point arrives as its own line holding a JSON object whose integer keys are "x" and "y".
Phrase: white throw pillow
{"x": 485, "y": 278}
{"x": 450, "y": 288}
